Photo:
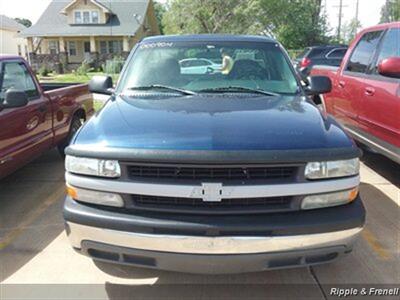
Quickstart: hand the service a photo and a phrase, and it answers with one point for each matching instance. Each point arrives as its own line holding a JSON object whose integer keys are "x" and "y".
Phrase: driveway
{"x": 36, "y": 260}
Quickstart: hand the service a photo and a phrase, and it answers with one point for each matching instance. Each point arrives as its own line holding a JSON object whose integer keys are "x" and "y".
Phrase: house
{"x": 10, "y": 42}
{"x": 72, "y": 31}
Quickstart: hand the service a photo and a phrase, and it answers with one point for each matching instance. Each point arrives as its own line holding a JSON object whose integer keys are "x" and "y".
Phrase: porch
{"x": 65, "y": 54}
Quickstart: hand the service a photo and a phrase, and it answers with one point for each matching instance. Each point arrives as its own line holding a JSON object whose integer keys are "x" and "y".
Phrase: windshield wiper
{"x": 239, "y": 89}
{"x": 162, "y": 87}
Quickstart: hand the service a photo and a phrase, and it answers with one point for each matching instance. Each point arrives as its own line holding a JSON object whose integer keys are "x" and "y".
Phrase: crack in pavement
{"x": 314, "y": 276}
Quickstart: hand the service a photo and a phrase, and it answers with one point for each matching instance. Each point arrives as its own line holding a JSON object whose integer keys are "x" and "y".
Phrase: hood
{"x": 212, "y": 122}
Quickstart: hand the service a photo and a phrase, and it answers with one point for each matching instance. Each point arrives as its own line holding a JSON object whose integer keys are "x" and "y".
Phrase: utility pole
{"x": 339, "y": 29}
{"x": 357, "y": 6}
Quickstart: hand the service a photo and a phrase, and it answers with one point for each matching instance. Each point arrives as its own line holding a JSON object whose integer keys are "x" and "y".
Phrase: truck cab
{"x": 219, "y": 172}
{"x": 366, "y": 89}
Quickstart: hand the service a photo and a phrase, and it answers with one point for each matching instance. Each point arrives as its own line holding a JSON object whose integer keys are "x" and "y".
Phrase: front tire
{"x": 76, "y": 123}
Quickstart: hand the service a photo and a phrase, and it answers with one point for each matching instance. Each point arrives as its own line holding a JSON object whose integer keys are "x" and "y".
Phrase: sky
{"x": 369, "y": 10}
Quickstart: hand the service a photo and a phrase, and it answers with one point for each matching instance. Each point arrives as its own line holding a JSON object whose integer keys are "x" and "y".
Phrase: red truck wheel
{"x": 75, "y": 125}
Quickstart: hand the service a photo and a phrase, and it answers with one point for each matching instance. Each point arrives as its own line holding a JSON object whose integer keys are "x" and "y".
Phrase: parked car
{"x": 212, "y": 173}
{"x": 35, "y": 117}
{"x": 330, "y": 55}
{"x": 365, "y": 96}
{"x": 198, "y": 66}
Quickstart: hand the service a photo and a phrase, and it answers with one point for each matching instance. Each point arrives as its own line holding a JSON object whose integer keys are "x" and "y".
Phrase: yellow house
{"x": 72, "y": 31}
{"x": 10, "y": 42}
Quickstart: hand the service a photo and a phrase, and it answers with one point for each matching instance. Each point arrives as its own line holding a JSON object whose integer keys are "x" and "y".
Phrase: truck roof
{"x": 9, "y": 56}
{"x": 208, "y": 38}
{"x": 381, "y": 26}
{"x": 328, "y": 46}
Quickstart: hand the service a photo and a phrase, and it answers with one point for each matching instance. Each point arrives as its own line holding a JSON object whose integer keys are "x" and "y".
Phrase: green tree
{"x": 390, "y": 11}
{"x": 160, "y": 10}
{"x": 206, "y": 16}
{"x": 25, "y": 22}
{"x": 295, "y": 23}
{"x": 350, "y": 30}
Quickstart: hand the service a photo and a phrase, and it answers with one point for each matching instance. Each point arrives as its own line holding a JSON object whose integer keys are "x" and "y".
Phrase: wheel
{"x": 75, "y": 125}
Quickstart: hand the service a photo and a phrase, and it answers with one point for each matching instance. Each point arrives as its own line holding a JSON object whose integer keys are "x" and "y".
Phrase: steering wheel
{"x": 248, "y": 69}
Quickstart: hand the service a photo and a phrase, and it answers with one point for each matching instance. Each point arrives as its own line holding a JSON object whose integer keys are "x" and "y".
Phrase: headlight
{"x": 328, "y": 200}
{"x": 95, "y": 197}
{"x": 92, "y": 166}
{"x": 331, "y": 169}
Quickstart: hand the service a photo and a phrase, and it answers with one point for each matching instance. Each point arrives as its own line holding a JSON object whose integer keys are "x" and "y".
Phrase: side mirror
{"x": 14, "y": 98}
{"x": 390, "y": 67}
{"x": 101, "y": 85}
{"x": 318, "y": 85}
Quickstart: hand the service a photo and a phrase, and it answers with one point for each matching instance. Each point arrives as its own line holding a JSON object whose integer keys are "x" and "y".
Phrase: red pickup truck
{"x": 35, "y": 117}
{"x": 365, "y": 96}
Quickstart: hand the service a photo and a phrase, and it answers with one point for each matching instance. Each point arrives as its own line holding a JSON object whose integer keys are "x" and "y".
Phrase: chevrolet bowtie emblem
{"x": 211, "y": 192}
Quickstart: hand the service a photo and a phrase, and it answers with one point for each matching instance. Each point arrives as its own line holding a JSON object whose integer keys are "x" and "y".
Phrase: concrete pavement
{"x": 34, "y": 249}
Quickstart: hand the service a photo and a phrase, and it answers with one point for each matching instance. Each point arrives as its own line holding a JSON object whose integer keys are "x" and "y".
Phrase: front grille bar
{"x": 220, "y": 173}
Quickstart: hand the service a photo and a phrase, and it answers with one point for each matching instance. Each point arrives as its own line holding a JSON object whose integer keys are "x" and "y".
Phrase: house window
{"x": 78, "y": 17}
{"x": 103, "y": 47}
{"x": 95, "y": 16}
{"x": 53, "y": 47}
{"x": 86, "y": 17}
{"x": 115, "y": 47}
{"x": 72, "y": 48}
{"x": 112, "y": 47}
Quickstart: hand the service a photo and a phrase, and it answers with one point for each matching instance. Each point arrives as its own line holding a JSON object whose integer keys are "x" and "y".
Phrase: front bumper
{"x": 214, "y": 244}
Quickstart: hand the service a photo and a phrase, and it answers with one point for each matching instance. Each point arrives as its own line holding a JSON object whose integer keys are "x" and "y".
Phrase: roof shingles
{"x": 123, "y": 22}
{"x": 10, "y": 24}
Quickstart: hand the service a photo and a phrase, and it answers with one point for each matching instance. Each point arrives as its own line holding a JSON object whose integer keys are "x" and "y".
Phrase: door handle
{"x": 342, "y": 84}
{"x": 369, "y": 91}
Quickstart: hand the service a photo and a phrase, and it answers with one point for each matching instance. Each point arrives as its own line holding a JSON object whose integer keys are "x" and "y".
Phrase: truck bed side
{"x": 67, "y": 101}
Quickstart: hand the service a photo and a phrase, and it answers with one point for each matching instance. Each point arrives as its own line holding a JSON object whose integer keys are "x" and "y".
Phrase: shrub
{"x": 114, "y": 66}
{"x": 83, "y": 69}
{"x": 43, "y": 71}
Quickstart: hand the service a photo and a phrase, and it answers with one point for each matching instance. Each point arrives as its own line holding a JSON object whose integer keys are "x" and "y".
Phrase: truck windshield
{"x": 210, "y": 67}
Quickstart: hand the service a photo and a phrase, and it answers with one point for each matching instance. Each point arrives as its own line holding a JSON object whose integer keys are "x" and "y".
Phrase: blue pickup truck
{"x": 225, "y": 171}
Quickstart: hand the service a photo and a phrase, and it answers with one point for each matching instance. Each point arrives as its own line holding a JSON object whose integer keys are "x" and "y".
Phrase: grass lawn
{"x": 73, "y": 78}
{"x": 97, "y": 105}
